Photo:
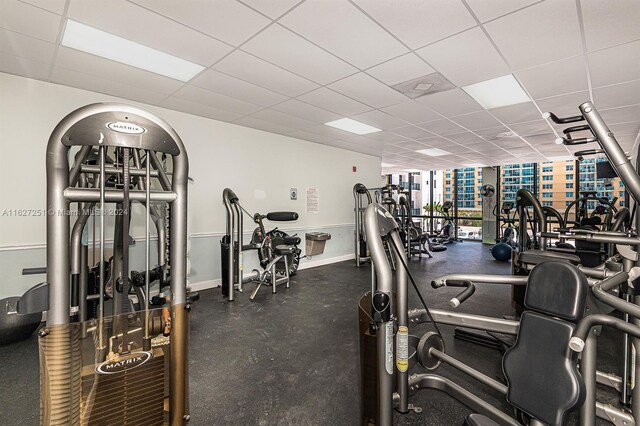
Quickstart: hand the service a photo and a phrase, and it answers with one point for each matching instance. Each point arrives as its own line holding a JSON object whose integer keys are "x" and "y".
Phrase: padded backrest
{"x": 541, "y": 370}
{"x": 557, "y": 288}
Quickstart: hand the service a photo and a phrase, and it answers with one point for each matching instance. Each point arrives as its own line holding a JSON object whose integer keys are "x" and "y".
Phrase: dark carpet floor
{"x": 292, "y": 358}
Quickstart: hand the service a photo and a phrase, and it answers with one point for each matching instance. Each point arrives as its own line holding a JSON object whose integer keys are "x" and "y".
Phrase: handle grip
{"x": 558, "y": 120}
{"x": 282, "y": 216}
{"x": 464, "y": 295}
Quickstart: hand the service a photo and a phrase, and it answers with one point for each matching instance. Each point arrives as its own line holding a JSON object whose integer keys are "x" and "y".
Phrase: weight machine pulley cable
{"x": 415, "y": 287}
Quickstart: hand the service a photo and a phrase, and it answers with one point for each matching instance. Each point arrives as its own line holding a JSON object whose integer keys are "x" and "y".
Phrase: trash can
{"x": 315, "y": 242}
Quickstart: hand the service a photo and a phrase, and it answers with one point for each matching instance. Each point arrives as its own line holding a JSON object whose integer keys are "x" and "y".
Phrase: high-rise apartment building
{"x": 556, "y": 183}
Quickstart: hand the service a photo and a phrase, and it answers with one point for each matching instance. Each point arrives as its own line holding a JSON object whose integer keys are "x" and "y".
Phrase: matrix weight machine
{"x": 389, "y": 354}
{"x": 278, "y": 252}
{"x": 91, "y": 370}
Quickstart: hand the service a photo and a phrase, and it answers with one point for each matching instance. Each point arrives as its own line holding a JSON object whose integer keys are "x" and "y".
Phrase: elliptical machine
{"x": 447, "y": 233}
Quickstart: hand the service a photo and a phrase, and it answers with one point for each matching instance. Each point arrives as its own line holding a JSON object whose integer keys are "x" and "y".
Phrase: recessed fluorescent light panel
{"x": 433, "y": 152}
{"x": 498, "y": 92}
{"x": 91, "y": 40}
{"x": 475, "y": 165}
{"x": 387, "y": 165}
{"x": 353, "y": 126}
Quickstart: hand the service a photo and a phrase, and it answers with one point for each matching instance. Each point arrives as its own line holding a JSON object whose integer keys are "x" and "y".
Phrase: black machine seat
{"x": 534, "y": 257}
{"x": 291, "y": 241}
{"x": 541, "y": 370}
{"x": 283, "y": 250}
{"x": 479, "y": 420}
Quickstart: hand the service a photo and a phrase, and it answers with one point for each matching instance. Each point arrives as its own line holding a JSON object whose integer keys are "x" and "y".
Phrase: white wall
{"x": 259, "y": 166}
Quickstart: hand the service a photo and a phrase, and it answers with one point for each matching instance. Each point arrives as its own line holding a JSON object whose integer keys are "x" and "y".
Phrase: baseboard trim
{"x": 321, "y": 262}
{"x": 205, "y": 285}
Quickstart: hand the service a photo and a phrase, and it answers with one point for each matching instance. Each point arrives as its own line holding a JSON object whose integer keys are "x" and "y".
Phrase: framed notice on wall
{"x": 313, "y": 200}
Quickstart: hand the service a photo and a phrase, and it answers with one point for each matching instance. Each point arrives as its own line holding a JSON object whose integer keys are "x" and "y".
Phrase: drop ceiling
{"x": 289, "y": 66}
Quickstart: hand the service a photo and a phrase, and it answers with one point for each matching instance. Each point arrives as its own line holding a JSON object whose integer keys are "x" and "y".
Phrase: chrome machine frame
{"x": 94, "y": 129}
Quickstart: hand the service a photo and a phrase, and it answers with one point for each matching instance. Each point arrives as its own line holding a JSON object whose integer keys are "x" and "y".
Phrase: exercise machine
{"x": 388, "y": 352}
{"x": 91, "y": 369}
{"x": 507, "y": 242}
{"x": 278, "y": 252}
{"x": 362, "y": 198}
{"x": 415, "y": 240}
{"x": 447, "y": 233}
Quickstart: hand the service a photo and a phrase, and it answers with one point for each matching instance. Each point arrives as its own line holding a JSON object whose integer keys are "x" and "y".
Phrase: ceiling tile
{"x": 626, "y": 129}
{"x": 333, "y": 101}
{"x": 615, "y": 65}
{"x": 621, "y": 115}
{"x": 282, "y": 47}
{"x": 466, "y": 138}
{"x": 26, "y": 47}
{"x": 386, "y": 137}
{"x": 412, "y": 132}
{"x": 226, "y": 20}
{"x": 254, "y": 70}
{"x": 379, "y": 119}
{"x": 526, "y": 111}
{"x": 272, "y": 8}
{"x": 267, "y": 126}
{"x": 617, "y": 95}
{"x": 548, "y": 140}
{"x": 525, "y": 149}
{"x": 610, "y": 22}
{"x": 283, "y": 119}
{"x": 198, "y": 109}
{"x": 29, "y": 20}
{"x": 412, "y": 145}
{"x": 343, "y": 30}
{"x": 231, "y": 86}
{"x": 555, "y": 78}
{"x": 403, "y": 68}
{"x": 450, "y": 103}
{"x": 308, "y": 112}
{"x": 114, "y": 71}
{"x": 55, "y": 6}
{"x": 442, "y": 127}
{"x": 330, "y": 132}
{"x": 531, "y": 128}
{"x": 476, "y": 120}
{"x": 130, "y": 21}
{"x": 418, "y": 22}
{"x": 491, "y": 131}
{"x": 25, "y": 67}
{"x": 465, "y": 58}
{"x": 541, "y": 33}
{"x": 411, "y": 111}
{"x": 100, "y": 85}
{"x": 368, "y": 90}
{"x": 396, "y": 149}
{"x": 565, "y": 105}
{"x": 216, "y": 100}
{"x": 485, "y": 10}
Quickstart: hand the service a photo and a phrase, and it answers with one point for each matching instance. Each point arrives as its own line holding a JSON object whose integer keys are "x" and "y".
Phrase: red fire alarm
{"x": 355, "y": 169}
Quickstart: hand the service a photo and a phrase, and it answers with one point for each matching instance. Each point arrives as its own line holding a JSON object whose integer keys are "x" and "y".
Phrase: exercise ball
{"x": 502, "y": 252}
{"x": 16, "y": 327}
